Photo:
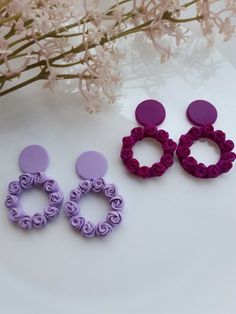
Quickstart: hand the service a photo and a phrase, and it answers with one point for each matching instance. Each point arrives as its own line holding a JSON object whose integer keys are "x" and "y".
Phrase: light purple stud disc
{"x": 150, "y": 112}
{"x": 91, "y": 165}
{"x": 201, "y": 112}
{"x": 33, "y": 158}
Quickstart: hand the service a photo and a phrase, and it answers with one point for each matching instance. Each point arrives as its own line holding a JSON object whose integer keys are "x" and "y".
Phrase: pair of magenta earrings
{"x": 90, "y": 166}
{"x": 203, "y": 114}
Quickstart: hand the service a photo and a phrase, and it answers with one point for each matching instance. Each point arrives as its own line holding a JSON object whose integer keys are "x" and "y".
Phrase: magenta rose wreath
{"x": 200, "y": 170}
{"x": 148, "y": 113}
{"x": 158, "y": 168}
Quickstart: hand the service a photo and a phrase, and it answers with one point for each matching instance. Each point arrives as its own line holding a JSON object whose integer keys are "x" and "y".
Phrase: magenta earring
{"x": 204, "y": 114}
{"x": 91, "y": 166}
{"x": 33, "y": 161}
{"x": 149, "y": 113}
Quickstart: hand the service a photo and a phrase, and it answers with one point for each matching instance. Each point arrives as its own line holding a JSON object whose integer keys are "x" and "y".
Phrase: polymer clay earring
{"x": 33, "y": 161}
{"x": 91, "y": 166}
{"x": 204, "y": 114}
{"x": 149, "y": 113}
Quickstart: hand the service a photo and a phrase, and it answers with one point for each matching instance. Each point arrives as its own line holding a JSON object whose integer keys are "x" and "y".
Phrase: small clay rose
{"x": 219, "y": 136}
{"x": 126, "y": 154}
{"x": 51, "y": 212}
{"x": 85, "y": 186}
{"x": 200, "y": 171}
{"x": 207, "y": 131}
{"x": 25, "y": 222}
{"x": 132, "y": 165}
{"x": 227, "y": 146}
{"x": 98, "y": 184}
{"x": 39, "y": 178}
{"x": 195, "y": 133}
{"x": 182, "y": 152}
{"x": 186, "y": 140}
{"x": 103, "y": 229}
{"x": 128, "y": 141}
{"x": 14, "y": 188}
{"x": 71, "y": 209}
{"x": 230, "y": 156}
{"x": 162, "y": 135}
{"x": 144, "y": 172}
{"x": 88, "y": 229}
{"x": 110, "y": 190}
{"x": 158, "y": 169}
{"x": 117, "y": 202}
{"x": 11, "y": 201}
{"x": 77, "y": 222}
{"x": 138, "y": 133}
{"x": 114, "y": 217}
{"x": 213, "y": 171}
{"x": 225, "y": 166}
{"x": 39, "y": 221}
{"x": 189, "y": 163}
{"x": 150, "y": 131}
{"x": 50, "y": 186}
{"x": 26, "y": 181}
{"x": 169, "y": 146}
{"x": 167, "y": 160}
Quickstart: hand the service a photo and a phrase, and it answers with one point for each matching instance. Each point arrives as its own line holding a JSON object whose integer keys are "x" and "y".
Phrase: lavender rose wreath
{"x": 28, "y": 181}
{"x": 114, "y": 215}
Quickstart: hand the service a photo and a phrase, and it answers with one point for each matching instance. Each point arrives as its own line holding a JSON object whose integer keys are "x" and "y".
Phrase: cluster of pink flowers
{"x": 65, "y": 40}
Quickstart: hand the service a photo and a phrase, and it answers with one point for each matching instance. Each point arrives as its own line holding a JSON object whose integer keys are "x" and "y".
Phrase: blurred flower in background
{"x": 51, "y": 40}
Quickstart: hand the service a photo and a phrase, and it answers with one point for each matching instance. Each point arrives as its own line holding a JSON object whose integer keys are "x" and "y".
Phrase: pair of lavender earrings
{"x": 203, "y": 114}
{"x": 90, "y": 166}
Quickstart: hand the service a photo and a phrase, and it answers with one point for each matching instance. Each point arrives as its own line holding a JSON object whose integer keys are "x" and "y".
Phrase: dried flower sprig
{"x": 57, "y": 40}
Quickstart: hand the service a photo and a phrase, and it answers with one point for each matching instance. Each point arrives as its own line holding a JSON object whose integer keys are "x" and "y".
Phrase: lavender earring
{"x": 91, "y": 166}
{"x": 33, "y": 161}
{"x": 149, "y": 113}
{"x": 204, "y": 114}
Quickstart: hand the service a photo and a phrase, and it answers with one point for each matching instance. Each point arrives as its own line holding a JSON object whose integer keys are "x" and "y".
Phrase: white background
{"x": 175, "y": 252}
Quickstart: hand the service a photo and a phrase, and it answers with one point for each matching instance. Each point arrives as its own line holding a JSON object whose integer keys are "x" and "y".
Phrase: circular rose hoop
{"x": 87, "y": 228}
{"x": 28, "y": 181}
{"x": 200, "y": 170}
{"x": 149, "y": 113}
{"x": 203, "y": 114}
{"x": 91, "y": 166}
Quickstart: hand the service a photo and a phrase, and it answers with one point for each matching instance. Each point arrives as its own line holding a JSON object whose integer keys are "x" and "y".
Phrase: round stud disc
{"x": 150, "y": 112}
{"x": 91, "y": 165}
{"x": 33, "y": 158}
{"x": 201, "y": 112}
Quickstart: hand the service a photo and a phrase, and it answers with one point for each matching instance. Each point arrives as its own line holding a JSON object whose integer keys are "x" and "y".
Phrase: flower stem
{"x": 42, "y": 76}
{"x": 18, "y": 86}
{"x": 186, "y": 5}
{"x": 4, "y": 3}
{"x": 9, "y": 18}
{"x": 191, "y": 19}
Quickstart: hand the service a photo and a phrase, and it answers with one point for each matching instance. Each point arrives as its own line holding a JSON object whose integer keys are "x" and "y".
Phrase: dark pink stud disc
{"x": 201, "y": 112}
{"x": 91, "y": 165}
{"x": 150, "y": 112}
{"x": 33, "y": 158}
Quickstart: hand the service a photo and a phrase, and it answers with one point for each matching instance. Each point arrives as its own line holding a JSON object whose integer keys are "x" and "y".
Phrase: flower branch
{"x": 66, "y": 42}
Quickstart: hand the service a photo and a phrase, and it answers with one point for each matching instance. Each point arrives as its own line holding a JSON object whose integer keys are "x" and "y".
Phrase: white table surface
{"x": 175, "y": 252}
